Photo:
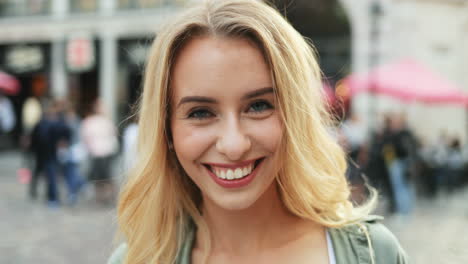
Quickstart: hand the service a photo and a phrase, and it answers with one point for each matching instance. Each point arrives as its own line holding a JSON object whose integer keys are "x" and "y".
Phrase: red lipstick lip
{"x": 233, "y": 166}
{"x": 235, "y": 183}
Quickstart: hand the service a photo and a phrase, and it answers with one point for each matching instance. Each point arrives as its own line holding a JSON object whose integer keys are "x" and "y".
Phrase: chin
{"x": 234, "y": 201}
{"x": 238, "y": 201}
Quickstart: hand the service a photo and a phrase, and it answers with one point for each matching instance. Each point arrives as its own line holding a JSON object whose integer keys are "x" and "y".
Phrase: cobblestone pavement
{"x": 32, "y": 233}
{"x": 437, "y": 232}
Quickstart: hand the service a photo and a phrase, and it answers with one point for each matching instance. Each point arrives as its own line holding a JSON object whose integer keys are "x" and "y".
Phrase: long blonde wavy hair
{"x": 158, "y": 200}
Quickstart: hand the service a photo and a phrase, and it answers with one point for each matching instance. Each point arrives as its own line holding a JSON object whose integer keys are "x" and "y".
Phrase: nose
{"x": 232, "y": 141}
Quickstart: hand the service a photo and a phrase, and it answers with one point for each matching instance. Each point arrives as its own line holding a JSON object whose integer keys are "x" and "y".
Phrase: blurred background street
{"x": 435, "y": 233}
{"x": 34, "y": 233}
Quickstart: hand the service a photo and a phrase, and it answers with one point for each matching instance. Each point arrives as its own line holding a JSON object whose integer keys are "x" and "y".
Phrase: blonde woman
{"x": 235, "y": 162}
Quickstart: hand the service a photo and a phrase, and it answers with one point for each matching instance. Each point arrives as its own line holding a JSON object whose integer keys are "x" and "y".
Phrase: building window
{"x": 84, "y": 6}
{"x": 9, "y": 8}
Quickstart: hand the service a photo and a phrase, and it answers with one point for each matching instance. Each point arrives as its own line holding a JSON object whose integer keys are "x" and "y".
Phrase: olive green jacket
{"x": 351, "y": 245}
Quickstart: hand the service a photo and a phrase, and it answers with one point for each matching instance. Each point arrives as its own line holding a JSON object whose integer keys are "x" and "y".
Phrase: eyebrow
{"x": 196, "y": 99}
{"x": 258, "y": 92}
{"x": 209, "y": 100}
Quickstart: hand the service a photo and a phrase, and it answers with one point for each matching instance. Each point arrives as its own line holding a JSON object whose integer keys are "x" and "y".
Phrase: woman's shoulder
{"x": 384, "y": 242}
{"x": 118, "y": 255}
{"x": 366, "y": 240}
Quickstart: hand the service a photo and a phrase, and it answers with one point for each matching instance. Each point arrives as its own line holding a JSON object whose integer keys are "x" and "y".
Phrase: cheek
{"x": 268, "y": 133}
{"x": 190, "y": 142}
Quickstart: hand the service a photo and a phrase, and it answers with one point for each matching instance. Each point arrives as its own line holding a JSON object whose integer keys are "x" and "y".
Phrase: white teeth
{"x": 229, "y": 174}
{"x": 238, "y": 173}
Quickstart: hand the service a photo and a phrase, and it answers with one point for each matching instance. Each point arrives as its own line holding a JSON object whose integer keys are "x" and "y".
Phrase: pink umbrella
{"x": 406, "y": 80}
{"x": 8, "y": 84}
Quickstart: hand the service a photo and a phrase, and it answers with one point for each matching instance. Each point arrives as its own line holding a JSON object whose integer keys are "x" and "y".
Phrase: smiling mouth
{"x": 233, "y": 173}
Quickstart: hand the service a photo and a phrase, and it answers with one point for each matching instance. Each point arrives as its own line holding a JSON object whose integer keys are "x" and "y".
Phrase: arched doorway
{"x": 326, "y": 24}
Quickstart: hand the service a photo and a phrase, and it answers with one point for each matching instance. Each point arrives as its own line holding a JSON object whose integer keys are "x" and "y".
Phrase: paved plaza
{"x": 437, "y": 232}
{"x": 32, "y": 233}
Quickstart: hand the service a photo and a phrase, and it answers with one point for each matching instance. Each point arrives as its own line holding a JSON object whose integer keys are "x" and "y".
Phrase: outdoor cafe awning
{"x": 407, "y": 80}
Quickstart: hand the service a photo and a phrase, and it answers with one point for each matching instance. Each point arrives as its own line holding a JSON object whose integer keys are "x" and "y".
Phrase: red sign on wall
{"x": 80, "y": 53}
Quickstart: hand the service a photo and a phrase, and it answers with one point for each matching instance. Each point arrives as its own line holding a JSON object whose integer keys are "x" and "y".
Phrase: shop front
{"x": 29, "y": 64}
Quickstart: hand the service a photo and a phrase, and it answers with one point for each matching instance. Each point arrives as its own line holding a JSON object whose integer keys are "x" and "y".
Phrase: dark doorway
{"x": 83, "y": 91}
{"x": 83, "y": 85}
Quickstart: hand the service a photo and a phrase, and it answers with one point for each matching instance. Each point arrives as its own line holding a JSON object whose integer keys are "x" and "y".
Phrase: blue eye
{"x": 200, "y": 114}
{"x": 260, "y": 106}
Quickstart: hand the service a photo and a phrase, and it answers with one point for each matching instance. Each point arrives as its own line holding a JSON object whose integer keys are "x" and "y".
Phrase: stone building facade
{"x": 434, "y": 32}
{"x": 85, "y": 48}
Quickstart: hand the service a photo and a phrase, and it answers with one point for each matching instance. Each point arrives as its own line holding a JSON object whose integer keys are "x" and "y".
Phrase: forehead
{"x": 212, "y": 64}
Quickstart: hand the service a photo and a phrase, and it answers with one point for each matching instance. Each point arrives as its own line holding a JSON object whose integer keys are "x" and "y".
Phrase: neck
{"x": 260, "y": 226}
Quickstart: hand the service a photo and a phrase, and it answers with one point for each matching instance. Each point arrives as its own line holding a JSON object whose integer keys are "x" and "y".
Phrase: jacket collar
{"x": 351, "y": 245}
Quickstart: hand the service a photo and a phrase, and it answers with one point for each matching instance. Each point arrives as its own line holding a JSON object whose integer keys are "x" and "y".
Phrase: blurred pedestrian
{"x": 71, "y": 153}
{"x": 235, "y": 158}
{"x": 398, "y": 144}
{"x": 129, "y": 149}
{"x": 99, "y": 136}
{"x": 31, "y": 115}
{"x": 7, "y": 115}
{"x": 439, "y": 160}
{"x": 455, "y": 165}
{"x": 375, "y": 167}
{"x": 7, "y": 121}
{"x": 353, "y": 172}
{"x": 45, "y": 139}
{"x": 356, "y": 135}
{"x": 427, "y": 181}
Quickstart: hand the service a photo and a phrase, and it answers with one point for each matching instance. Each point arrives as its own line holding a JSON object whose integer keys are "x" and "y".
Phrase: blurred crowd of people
{"x": 400, "y": 165}
{"x": 60, "y": 148}
{"x": 59, "y": 143}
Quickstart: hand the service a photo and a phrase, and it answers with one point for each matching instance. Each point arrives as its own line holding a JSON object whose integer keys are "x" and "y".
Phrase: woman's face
{"x": 225, "y": 126}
